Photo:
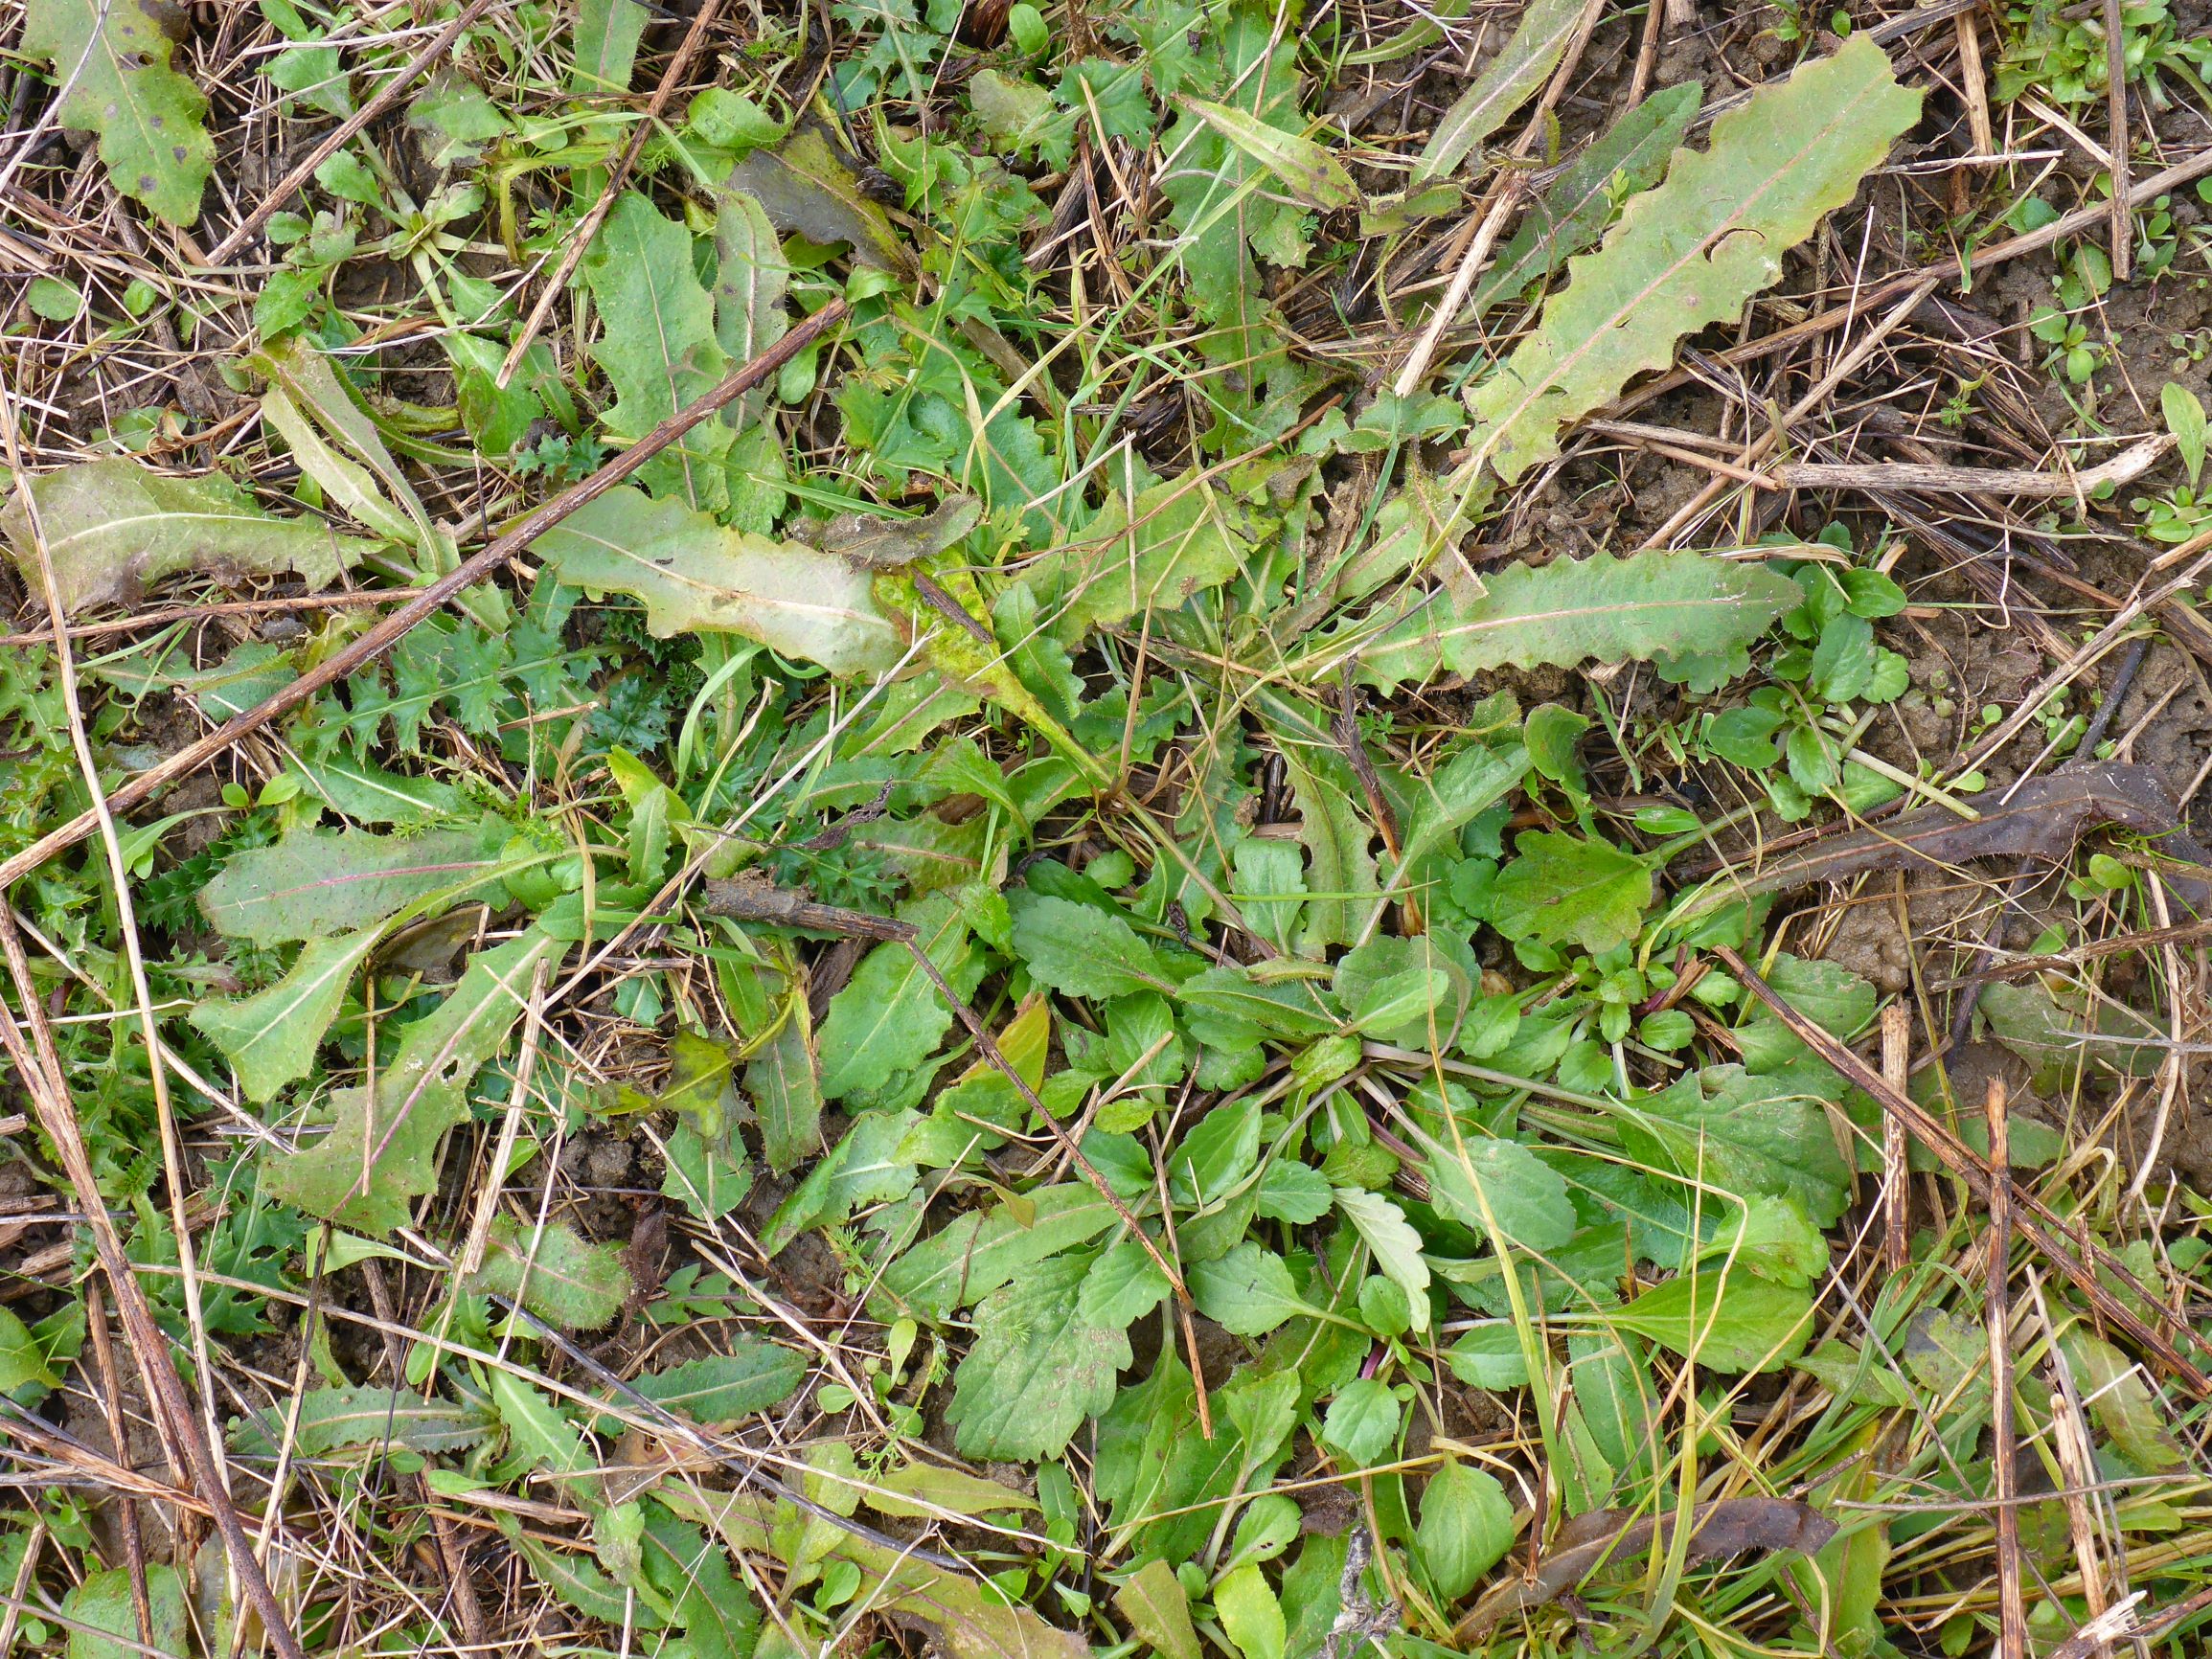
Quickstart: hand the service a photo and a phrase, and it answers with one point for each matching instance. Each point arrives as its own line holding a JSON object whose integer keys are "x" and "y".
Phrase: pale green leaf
{"x": 313, "y": 884}
{"x": 1124, "y": 1285}
{"x": 1565, "y": 889}
{"x": 1747, "y": 1135}
{"x": 1395, "y": 1244}
{"x": 696, "y": 575}
{"x": 977, "y": 1252}
{"x": 1250, "y": 1615}
{"x": 1247, "y": 1292}
{"x": 1361, "y": 1422}
{"x": 1499, "y": 1186}
{"x": 1306, "y": 170}
{"x": 1149, "y": 554}
{"x": 112, "y": 56}
{"x": 1659, "y": 605}
{"x": 1732, "y": 1323}
{"x": 751, "y": 277}
{"x": 114, "y": 529}
{"x": 607, "y": 32}
{"x": 105, "y": 1610}
{"x": 1691, "y": 252}
{"x": 1506, "y": 81}
{"x": 2184, "y": 413}
{"x": 889, "y": 1017}
{"x": 270, "y": 1038}
{"x": 23, "y": 1360}
{"x": 926, "y": 1491}
{"x": 333, "y": 1419}
{"x": 1037, "y": 1368}
{"x": 784, "y": 1082}
{"x": 753, "y": 1375}
{"x": 1081, "y": 950}
{"x": 554, "y": 1273}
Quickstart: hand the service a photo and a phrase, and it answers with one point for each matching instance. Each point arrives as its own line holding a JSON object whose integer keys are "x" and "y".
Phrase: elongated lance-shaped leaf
{"x": 1307, "y": 170}
{"x": 1502, "y": 86}
{"x": 607, "y": 32}
{"x": 112, "y": 59}
{"x": 1691, "y": 252}
{"x": 1667, "y": 604}
{"x": 271, "y": 1038}
{"x": 554, "y": 1273}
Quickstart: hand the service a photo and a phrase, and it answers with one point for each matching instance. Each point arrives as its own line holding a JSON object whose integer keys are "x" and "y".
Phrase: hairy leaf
{"x": 1081, "y": 950}
{"x": 271, "y": 1038}
{"x": 784, "y": 1080}
{"x": 1157, "y": 1609}
{"x": 1563, "y": 887}
{"x": 112, "y": 56}
{"x": 1747, "y": 1134}
{"x": 105, "y": 1609}
{"x": 1662, "y": 603}
{"x": 114, "y": 529}
{"x": 980, "y": 1251}
{"x": 1691, "y": 252}
{"x": 806, "y": 185}
{"x": 1506, "y": 81}
{"x": 1466, "y": 1527}
{"x": 1037, "y": 1368}
{"x": 554, "y": 1273}
{"x": 314, "y": 884}
{"x": 695, "y": 577}
{"x": 342, "y": 1419}
{"x": 377, "y": 1156}
{"x": 1732, "y": 1323}
{"x": 754, "y": 1375}
{"x": 751, "y": 277}
{"x": 1499, "y": 1186}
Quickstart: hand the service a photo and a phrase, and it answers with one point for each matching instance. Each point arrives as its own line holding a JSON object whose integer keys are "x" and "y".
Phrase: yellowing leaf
{"x": 693, "y": 576}
{"x": 112, "y": 59}
{"x": 114, "y": 527}
{"x": 1309, "y": 173}
{"x": 1691, "y": 252}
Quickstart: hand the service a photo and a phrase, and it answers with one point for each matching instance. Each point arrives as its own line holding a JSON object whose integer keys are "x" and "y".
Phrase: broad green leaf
{"x": 1489, "y": 1184}
{"x": 22, "y": 1360}
{"x": 1659, "y": 605}
{"x": 754, "y": 1375}
{"x": 2125, "y": 1405}
{"x": 270, "y": 1038}
{"x": 1293, "y": 1191}
{"x": 607, "y": 32}
{"x": 1149, "y": 554}
{"x": 705, "y": 1177}
{"x": 1631, "y": 156}
{"x": 379, "y": 1154}
{"x": 889, "y": 1018}
{"x": 1505, "y": 83}
{"x": 1466, "y": 1528}
{"x": 1732, "y": 1323}
{"x": 869, "y": 1166}
{"x": 1248, "y": 1292}
{"x": 751, "y": 277}
{"x": 369, "y": 794}
{"x": 341, "y": 1418}
{"x": 706, "y": 1599}
{"x": 106, "y": 1610}
{"x": 2049, "y": 1031}
{"x": 1747, "y": 1134}
{"x": 1037, "y": 1368}
{"x": 693, "y": 576}
{"x": 978, "y": 1251}
{"x": 1395, "y": 1244}
{"x": 1563, "y": 887}
{"x": 806, "y": 185}
{"x": 784, "y": 1082}
{"x": 313, "y": 884}
{"x": 656, "y": 347}
{"x": 1286, "y": 1007}
{"x": 1691, "y": 252}
{"x": 1306, "y": 170}
{"x": 1250, "y": 1615}
{"x": 1361, "y": 1422}
{"x": 112, "y": 58}
{"x": 114, "y": 529}
{"x": 1488, "y": 1356}
{"x": 1124, "y": 1285}
{"x": 1159, "y": 1611}
{"x": 1081, "y": 950}
{"x": 554, "y": 1273}
{"x": 1830, "y": 995}
{"x": 2184, "y": 413}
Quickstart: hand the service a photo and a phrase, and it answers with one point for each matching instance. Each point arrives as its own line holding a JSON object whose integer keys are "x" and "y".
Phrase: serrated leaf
{"x": 1037, "y": 1368}
{"x": 1081, "y": 950}
{"x": 978, "y": 1252}
{"x": 806, "y": 185}
{"x": 1152, "y": 553}
{"x": 270, "y": 1038}
{"x": 313, "y": 884}
{"x": 1505, "y": 83}
{"x": 23, "y": 1359}
{"x": 379, "y": 1154}
{"x": 341, "y": 1418}
{"x": 554, "y": 1273}
{"x": 751, "y": 278}
{"x": 889, "y": 1017}
{"x": 754, "y": 1375}
{"x": 1563, "y": 887}
{"x": 1631, "y": 156}
{"x": 1396, "y": 1246}
{"x": 1747, "y": 1134}
{"x": 1250, "y": 1615}
{"x": 1307, "y": 170}
{"x": 540, "y": 1436}
{"x": 693, "y": 576}
{"x": 112, "y": 58}
{"x": 114, "y": 529}
{"x": 1691, "y": 252}
{"x": 1123, "y": 1285}
{"x": 1662, "y": 603}
{"x": 1495, "y": 1185}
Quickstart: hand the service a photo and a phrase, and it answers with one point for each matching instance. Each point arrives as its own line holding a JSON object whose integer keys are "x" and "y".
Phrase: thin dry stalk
{"x": 2011, "y": 1606}
{"x": 1896, "y": 1164}
{"x": 2123, "y": 218}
